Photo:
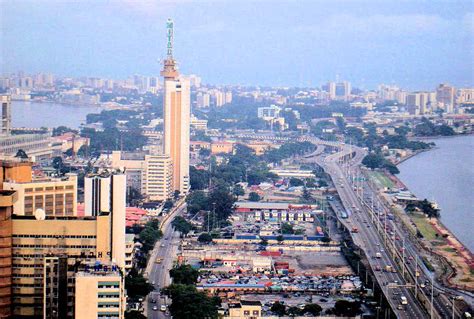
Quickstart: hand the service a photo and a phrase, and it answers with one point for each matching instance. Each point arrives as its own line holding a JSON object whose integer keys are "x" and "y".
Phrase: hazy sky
{"x": 416, "y": 44}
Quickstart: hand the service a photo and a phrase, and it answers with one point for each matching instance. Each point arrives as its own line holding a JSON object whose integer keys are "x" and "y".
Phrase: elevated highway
{"x": 367, "y": 238}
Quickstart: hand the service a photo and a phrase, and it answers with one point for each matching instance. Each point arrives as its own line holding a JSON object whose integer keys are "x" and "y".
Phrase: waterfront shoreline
{"x": 399, "y": 180}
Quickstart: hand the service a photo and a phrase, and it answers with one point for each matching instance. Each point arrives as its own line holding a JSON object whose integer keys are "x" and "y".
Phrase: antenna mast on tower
{"x": 170, "y": 35}
{"x": 169, "y": 71}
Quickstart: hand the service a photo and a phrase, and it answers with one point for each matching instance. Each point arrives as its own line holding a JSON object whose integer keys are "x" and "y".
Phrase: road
{"x": 158, "y": 273}
{"x": 367, "y": 237}
{"x": 404, "y": 245}
{"x": 369, "y": 208}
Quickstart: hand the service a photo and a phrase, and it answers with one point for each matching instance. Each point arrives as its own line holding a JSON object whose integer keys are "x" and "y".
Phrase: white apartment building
{"x": 157, "y": 180}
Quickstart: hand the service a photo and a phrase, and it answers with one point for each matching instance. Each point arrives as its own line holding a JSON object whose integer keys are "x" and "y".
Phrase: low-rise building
{"x": 222, "y": 147}
{"x": 37, "y": 146}
{"x": 245, "y": 309}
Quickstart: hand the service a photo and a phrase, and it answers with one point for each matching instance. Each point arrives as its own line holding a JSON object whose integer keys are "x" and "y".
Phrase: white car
{"x": 155, "y": 308}
{"x": 163, "y": 308}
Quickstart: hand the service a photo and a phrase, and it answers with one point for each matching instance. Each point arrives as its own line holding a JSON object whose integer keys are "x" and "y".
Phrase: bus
{"x": 403, "y": 300}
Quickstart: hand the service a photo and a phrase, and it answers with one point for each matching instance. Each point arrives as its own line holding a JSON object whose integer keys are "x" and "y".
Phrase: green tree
{"x": 21, "y": 154}
{"x": 83, "y": 151}
{"x": 136, "y": 285}
{"x": 69, "y": 152}
{"x": 296, "y": 182}
{"x": 347, "y": 308}
{"x": 222, "y": 201}
{"x": 238, "y": 190}
{"x": 313, "y": 309}
{"x": 204, "y": 152}
{"x": 197, "y": 201}
{"x": 278, "y": 309}
{"x": 134, "y": 314}
{"x": 254, "y": 197}
{"x": 198, "y": 178}
{"x": 168, "y": 204}
{"x": 205, "y": 238}
{"x": 280, "y": 238}
{"x": 184, "y": 274}
{"x": 182, "y": 225}
{"x": 287, "y": 228}
{"x": 149, "y": 235}
{"x": 187, "y": 303}
{"x": 60, "y": 130}
{"x": 57, "y": 163}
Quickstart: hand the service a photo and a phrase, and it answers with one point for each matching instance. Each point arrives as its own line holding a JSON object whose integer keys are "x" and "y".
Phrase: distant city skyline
{"x": 414, "y": 44}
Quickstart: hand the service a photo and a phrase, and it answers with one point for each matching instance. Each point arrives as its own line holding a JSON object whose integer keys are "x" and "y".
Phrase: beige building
{"x": 7, "y": 199}
{"x": 245, "y": 309}
{"x": 152, "y": 175}
{"x": 129, "y": 251}
{"x": 72, "y": 141}
{"x": 99, "y": 294}
{"x": 197, "y": 124}
{"x": 176, "y": 117}
{"x": 55, "y": 196}
{"x": 157, "y": 182}
{"x": 46, "y": 253}
{"x": 465, "y": 96}
{"x": 222, "y": 147}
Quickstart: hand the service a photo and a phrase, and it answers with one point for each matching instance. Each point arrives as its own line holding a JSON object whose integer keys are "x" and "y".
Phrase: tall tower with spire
{"x": 176, "y": 113}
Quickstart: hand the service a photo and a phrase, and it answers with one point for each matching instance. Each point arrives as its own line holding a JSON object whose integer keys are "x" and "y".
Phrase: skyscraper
{"x": 176, "y": 111}
{"x": 105, "y": 194}
{"x": 445, "y": 97}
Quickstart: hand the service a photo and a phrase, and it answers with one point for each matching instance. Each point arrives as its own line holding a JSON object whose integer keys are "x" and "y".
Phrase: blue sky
{"x": 416, "y": 44}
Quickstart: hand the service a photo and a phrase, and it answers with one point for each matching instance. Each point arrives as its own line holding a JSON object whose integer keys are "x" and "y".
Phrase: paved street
{"x": 367, "y": 237}
{"x": 158, "y": 273}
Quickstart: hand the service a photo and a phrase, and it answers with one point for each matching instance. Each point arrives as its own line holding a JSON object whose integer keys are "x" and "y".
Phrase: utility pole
{"x": 431, "y": 308}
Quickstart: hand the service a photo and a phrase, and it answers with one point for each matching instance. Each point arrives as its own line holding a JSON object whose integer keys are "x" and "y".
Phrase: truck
{"x": 403, "y": 300}
{"x": 378, "y": 255}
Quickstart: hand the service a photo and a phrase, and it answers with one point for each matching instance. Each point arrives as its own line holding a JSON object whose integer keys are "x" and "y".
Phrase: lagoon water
{"x": 36, "y": 115}
{"x": 446, "y": 175}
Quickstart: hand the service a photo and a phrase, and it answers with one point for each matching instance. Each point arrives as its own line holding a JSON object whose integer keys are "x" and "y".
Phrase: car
{"x": 400, "y": 307}
{"x": 163, "y": 308}
{"x": 162, "y": 245}
{"x": 155, "y": 308}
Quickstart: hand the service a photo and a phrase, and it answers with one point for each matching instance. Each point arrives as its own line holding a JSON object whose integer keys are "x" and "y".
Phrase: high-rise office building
{"x": 330, "y": 87}
{"x": 176, "y": 117}
{"x": 445, "y": 97}
{"x": 41, "y": 255}
{"x": 6, "y": 115}
{"x": 7, "y": 199}
{"x": 106, "y": 193}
